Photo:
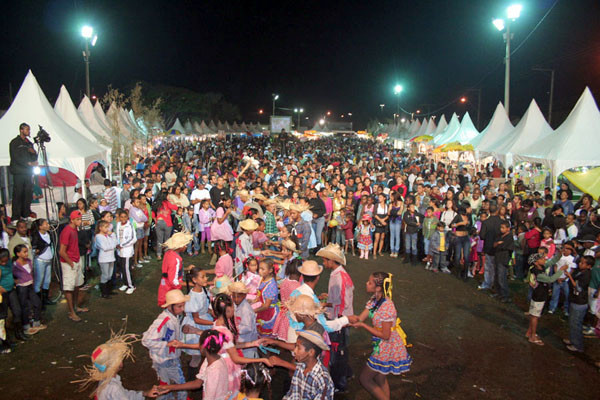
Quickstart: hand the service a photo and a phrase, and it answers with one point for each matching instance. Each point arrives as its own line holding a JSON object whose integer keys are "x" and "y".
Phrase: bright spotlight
{"x": 499, "y": 24}
{"x": 87, "y": 31}
{"x": 37, "y": 170}
{"x": 398, "y": 89}
{"x": 514, "y": 11}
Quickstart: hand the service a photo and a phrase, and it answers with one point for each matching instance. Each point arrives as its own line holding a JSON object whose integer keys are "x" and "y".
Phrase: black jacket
{"x": 38, "y": 244}
{"x": 317, "y": 207}
{"x": 20, "y": 157}
{"x": 490, "y": 232}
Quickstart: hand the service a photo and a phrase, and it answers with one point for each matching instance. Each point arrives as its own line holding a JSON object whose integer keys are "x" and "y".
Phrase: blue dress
{"x": 199, "y": 303}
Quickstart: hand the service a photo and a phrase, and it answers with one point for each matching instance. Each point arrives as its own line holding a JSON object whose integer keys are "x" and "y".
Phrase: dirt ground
{"x": 465, "y": 345}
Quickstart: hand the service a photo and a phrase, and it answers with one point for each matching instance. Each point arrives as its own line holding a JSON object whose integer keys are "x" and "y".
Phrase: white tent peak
{"x": 453, "y": 126}
{"x": 88, "y": 115}
{"x": 498, "y": 128}
{"x": 442, "y": 125}
{"x": 65, "y": 108}
{"x": 430, "y": 127}
{"x": 178, "y": 126}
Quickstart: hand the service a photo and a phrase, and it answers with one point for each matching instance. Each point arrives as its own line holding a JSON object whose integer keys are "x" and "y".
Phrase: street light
{"x": 382, "y": 105}
{"x": 512, "y": 13}
{"x": 328, "y": 113}
{"x": 322, "y": 121}
{"x": 397, "y": 90}
{"x": 463, "y": 99}
{"x": 298, "y": 111}
{"x": 275, "y": 97}
{"x": 87, "y": 32}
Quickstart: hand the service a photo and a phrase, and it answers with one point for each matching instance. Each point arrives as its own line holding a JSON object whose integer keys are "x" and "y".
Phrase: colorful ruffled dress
{"x": 199, "y": 303}
{"x": 282, "y": 323}
{"x": 388, "y": 356}
{"x": 266, "y": 319}
{"x": 234, "y": 370}
{"x": 252, "y": 280}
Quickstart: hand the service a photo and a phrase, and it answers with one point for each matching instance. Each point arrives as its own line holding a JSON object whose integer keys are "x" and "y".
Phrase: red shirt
{"x": 533, "y": 238}
{"x": 69, "y": 238}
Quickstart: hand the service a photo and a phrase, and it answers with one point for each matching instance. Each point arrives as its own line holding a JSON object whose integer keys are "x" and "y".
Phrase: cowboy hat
{"x": 249, "y": 225}
{"x": 175, "y": 296}
{"x": 315, "y": 338}
{"x": 303, "y": 305}
{"x": 333, "y": 252}
{"x": 244, "y": 193}
{"x": 268, "y": 202}
{"x": 289, "y": 244}
{"x": 259, "y": 196}
{"x": 221, "y": 285}
{"x": 178, "y": 240}
{"x": 237, "y": 287}
{"x": 310, "y": 268}
{"x": 284, "y": 204}
{"x": 298, "y": 207}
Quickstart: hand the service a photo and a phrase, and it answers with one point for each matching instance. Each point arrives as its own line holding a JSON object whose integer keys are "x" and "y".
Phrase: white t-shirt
{"x": 199, "y": 194}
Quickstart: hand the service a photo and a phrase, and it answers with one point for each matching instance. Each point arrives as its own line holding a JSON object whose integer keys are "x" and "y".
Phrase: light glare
{"x": 499, "y": 24}
{"x": 398, "y": 89}
{"x": 514, "y": 11}
{"x": 87, "y": 31}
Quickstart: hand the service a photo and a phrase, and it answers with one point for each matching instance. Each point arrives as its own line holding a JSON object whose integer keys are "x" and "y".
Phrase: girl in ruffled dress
{"x": 251, "y": 279}
{"x": 288, "y": 285}
{"x": 197, "y": 314}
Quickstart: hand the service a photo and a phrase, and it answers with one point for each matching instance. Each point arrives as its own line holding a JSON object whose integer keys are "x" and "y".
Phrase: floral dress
{"x": 266, "y": 319}
{"x": 365, "y": 241}
{"x": 252, "y": 280}
{"x": 234, "y": 370}
{"x": 282, "y": 323}
{"x": 199, "y": 303}
{"x": 388, "y": 356}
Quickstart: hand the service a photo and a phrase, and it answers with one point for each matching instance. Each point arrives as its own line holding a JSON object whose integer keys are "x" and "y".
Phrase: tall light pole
{"x": 551, "y": 91}
{"x": 298, "y": 111}
{"x": 397, "y": 90}
{"x": 275, "y": 97}
{"x": 90, "y": 39}
{"x": 512, "y": 13}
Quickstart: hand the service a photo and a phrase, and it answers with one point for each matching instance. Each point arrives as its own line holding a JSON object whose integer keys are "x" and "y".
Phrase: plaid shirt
{"x": 316, "y": 385}
{"x": 270, "y": 224}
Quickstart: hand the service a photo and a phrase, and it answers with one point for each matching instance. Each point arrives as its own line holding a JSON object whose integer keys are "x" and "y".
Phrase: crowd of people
{"x": 265, "y": 211}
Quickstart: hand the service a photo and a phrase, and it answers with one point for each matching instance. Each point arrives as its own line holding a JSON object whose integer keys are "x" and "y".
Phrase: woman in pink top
{"x": 220, "y": 229}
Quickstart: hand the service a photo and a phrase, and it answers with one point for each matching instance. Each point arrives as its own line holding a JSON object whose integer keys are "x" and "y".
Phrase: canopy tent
{"x": 188, "y": 127}
{"x": 205, "y": 129}
{"x": 131, "y": 125}
{"x": 430, "y": 127}
{"x": 212, "y": 126}
{"x": 451, "y": 129}
{"x": 227, "y": 127}
{"x": 235, "y": 127}
{"x": 139, "y": 123}
{"x": 197, "y": 128}
{"x": 100, "y": 114}
{"x": 574, "y": 143}
{"x": 465, "y": 133}
{"x": 177, "y": 126}
{"x": 87, "y": 114}
{"x": 530, "y": 129}
{"x": 414, "y": 128}
{"x": 442, "y": 125}
{"x": 423, "y": 127}
{"x": 67, "y": 149}
{"x": 587, "y": 181}
{"x": 499, "y": 127}
{"x": 244, "y": 127}
{"x": 118, "y": 124}
{"x": 65, "y": 109}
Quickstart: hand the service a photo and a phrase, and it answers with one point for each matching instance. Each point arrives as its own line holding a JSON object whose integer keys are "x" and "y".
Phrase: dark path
{"x": 466, "y": 345}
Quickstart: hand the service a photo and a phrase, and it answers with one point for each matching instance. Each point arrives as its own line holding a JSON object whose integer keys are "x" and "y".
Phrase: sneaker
{"x": 481, "y": 287}
{"x": 550, "y": 311}
{"x": 470, "y": 274}
{"x": 435, "y": 270}
{"x": 130, "y": 290}
{"x": 144, "y": 261}
{"x": 574, "y": 349}
{"x": 428, "y": 266}
{"x": 139, "y": 265}
{"x": 446, "y": 270}
{"x": 123, "y": 288}
{"x": 589, "y": 331}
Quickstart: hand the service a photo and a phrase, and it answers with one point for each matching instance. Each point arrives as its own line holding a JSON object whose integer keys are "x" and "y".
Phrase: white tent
{"x": 117, "y": 123}
{"x": 498, "y": 128}
{"x": 441, "y": 127}
{"x": 87, "y": 114}
{"x": 212, "y": 126}
{"x": 128, "y": 122}
{"x": 465, "y": 132}
{"x": 414, "y": 127}
{"x": 430, "y": 127}
{"x": 423, "y": 127}
{"x": 188, "y": 127}
{"x": 204, "y": 128}
{"x": 197, "y": 128}
{"x": 530, "y": 129}
{"x": 575, "y": 143}
{"x": 177, "y": 126}
{"x": 451, "y": 129}
{"x": 139, "y": 123}
{"x": 100, "y": 114}
{"x": 65, "y": 109}
{"x": 67, "y": 149}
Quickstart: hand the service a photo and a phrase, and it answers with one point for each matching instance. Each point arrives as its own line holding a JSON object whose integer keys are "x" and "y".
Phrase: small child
{"x": 430, "y": 223}
{"x": 197, "y": 313}
{"x": 243, "y": 244}
{"x": 473, "y": 256}
{"x": 348, "y": 232}
{"x": 224, "y": 265}
{"x": 287, "y": 286}
{"x": 31, "y": 306}
{"x": 103, "y": 206}
{"x": 107, "y": 362}
{"x": 259, "y": 238}
{"x": 178, "y": 220}
{"x": 206, "y": 216}
{"x": 255, "y": 379}
{"x": 269, "y": 296}
{"x": 213, "y": 374}
{"x": 245, "y": 318}
{"x": 365, "y": 241}
{"x": 161, "y": 340}
{"x": 190, "y": 224}
{"x": 548, "y": 242}
{"x": 125, "y": 241}
{"x": 106, "y": 243}
{"x": 438, "y": 249}
{"x": 251, "y": 279}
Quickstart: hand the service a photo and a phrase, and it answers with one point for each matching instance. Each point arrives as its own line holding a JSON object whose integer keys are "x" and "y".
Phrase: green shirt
{"x": 595, "y": 281}
{"x": 7, "y": 281}
{"x": 429, "y": 225}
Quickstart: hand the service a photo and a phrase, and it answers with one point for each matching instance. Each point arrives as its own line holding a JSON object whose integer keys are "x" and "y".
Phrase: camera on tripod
{"x": 42, "y": 136}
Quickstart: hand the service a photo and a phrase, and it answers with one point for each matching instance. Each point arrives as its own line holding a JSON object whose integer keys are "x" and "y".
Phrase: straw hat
{"x": 237, "y": 287}
{"x": 221, "y": 285}
{"x": 290, "y": 245}
{"x": 175, "y": 296}
{"x": 259, "y": 196}
{"x": 303, "y": 305}
{"x": 284, "y": 204}
{"x": 249, "y": 225}
{"x": 298, "y": 207}
{"x": 106, "y": 360}
{"x": 243, "y": 193}
{"x": 314, "y": 338}
{"x": 333, "y": 252}
{"x": 178, "y": 240}
{"x": 268, "y": 202}
{"x": 310, "y": 268}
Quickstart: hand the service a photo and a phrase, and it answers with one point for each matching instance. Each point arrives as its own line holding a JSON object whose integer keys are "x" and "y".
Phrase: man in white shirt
{"x": 77, "y": 194}
{"x": 199, "y": 194}
{"x": 562, "y": 284}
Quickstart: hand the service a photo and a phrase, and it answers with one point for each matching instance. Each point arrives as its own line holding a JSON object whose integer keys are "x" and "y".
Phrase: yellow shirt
{"x": 442, "y": 242}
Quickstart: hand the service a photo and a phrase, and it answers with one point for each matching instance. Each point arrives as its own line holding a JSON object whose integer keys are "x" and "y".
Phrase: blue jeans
{"x": 489, "y": 272}
{"x": 194, "y": 245}
{"x": 43, "y": 273}
{"x": 502, "y": 280}
{"x": 520, "y": 266}
{"x": 426, "y": 246}
{"x": 318, "y": 225}
{"x": 462, "y": 243}
{"x": 440, "y": 260}
{"x": 395, "y": 230}
{"x": 557, "y": 287}
{"x": 576, "y": 315}
{"x": 410, "y": 243}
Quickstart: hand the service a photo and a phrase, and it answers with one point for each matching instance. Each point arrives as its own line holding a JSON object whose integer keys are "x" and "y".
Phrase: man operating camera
{"x": 23, "y": 158}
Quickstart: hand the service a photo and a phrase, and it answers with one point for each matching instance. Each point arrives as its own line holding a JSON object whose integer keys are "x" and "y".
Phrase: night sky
{"x": 343, "y": 56}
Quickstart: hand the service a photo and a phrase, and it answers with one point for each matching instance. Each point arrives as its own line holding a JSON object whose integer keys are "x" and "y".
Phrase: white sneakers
{"x": 139, "y": 265}
{"x": 130, "y": 290}
{"x": 123, "y": 288}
